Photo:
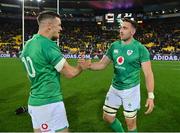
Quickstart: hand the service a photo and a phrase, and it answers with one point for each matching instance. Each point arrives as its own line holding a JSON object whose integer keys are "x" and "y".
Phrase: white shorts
{"x": 49, "y": 118}
{"x": 129, "y": 98}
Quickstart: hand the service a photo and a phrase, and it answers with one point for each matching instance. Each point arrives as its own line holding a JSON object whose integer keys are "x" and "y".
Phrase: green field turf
{"x": 84, "y": 97}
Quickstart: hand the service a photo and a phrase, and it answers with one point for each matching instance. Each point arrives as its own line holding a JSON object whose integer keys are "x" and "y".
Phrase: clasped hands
{"x": 84, "y": 64}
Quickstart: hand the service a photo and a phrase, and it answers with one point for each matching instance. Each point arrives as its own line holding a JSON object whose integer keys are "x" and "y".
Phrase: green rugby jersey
{"x": 127, "y": 59}
{"x": 40, "y": 56}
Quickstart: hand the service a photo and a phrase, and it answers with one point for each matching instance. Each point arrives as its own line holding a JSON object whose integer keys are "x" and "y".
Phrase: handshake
{"x": 84, "y": 64}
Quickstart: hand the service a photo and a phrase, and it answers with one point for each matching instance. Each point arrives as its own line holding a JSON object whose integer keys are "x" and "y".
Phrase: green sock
{"x": 117, "y": 126}
{"x": 134, "y": 131}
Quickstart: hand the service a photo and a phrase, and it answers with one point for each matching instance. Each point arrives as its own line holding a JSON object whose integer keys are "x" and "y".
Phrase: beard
{"x": 125, "y": 38}
{"x": 54, "y": 38}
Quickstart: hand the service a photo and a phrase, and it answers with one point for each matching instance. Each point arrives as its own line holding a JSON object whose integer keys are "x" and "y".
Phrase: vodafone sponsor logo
{"x": 44, "y": 126}
{"x": 120, "y": 60}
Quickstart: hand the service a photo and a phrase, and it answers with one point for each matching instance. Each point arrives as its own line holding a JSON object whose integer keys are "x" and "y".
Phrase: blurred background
{"x": 93, "y": 25}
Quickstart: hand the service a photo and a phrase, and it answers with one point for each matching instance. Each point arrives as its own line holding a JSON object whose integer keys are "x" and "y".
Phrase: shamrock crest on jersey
{"x": 129, "y": 52}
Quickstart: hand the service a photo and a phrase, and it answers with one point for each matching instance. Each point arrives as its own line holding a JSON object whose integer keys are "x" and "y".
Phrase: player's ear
{"x": 49, "y": 28}
{"x": 49, "y": 25}
{"x": 133, "y": 31}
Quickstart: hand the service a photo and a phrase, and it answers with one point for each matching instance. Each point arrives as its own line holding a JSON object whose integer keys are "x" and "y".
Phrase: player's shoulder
{"x": 34, "y": 43}
{"x": 115, "y": 43}
{"x": 141, "y": 47}
{"x": 39, "y": 38}
{"x": 27, "y": 46}
{"x": 139, "y": 44}
{"x": 28, "y": 43}
{"x": 32, "y": 40}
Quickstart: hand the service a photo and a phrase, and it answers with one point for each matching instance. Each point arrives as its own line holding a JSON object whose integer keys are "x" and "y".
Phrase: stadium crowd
{"x": 10, "y": 36}
{"x": 159, "y": 36}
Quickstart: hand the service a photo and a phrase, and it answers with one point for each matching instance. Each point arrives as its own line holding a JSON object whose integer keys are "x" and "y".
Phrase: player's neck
{"x": 128, "y": 41}
{"x": 44, "y": 33}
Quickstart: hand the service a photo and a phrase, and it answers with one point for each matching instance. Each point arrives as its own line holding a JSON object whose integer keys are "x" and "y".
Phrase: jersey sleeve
{"x": 55, "y": 57}
{"x": 144, "y": 54}
{"x": 109, "y": 52}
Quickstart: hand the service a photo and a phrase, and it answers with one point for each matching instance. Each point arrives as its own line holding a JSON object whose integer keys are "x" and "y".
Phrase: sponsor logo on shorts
{"x": 44, "y": 126}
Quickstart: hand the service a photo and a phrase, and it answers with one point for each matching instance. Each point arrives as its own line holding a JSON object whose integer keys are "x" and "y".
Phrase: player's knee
{"x": 108, "y": 118}
{"x": 109, "y": 113}
{"x": 131, "y": 124}
{"x": 130, "y": 117}
{"x": 130, "y": 114}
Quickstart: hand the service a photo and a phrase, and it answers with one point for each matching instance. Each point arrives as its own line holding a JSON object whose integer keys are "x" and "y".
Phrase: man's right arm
{"x": 101, "y": 64}
{"x": 69, "y": 71}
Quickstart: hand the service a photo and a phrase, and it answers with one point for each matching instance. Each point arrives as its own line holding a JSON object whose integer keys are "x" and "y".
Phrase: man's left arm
{"x": 149, "y": 78}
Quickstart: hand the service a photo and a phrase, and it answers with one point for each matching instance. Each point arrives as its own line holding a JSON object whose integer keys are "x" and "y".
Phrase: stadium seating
{"x": 158, "y": 36}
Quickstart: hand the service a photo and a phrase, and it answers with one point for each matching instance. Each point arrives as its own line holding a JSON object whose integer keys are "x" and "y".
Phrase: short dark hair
{"x": 47, "y": 15}
{"x": 134, "y": 23}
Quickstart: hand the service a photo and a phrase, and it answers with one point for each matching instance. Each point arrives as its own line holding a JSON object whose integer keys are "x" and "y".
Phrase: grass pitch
{"x": 84, "y": 97}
